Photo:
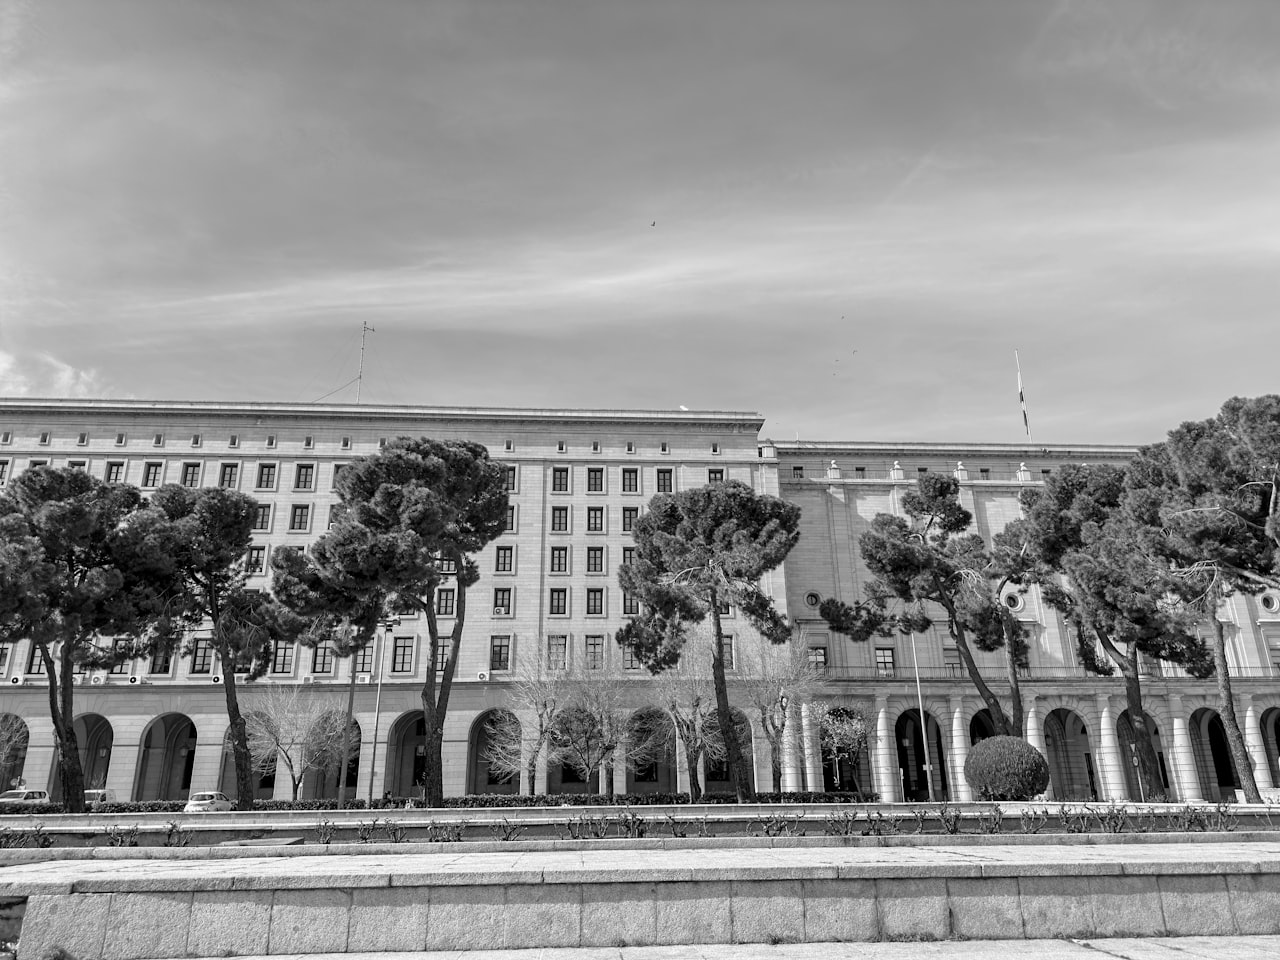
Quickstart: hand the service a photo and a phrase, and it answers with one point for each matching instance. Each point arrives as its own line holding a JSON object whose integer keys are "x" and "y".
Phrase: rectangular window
{"x": 262, "y": 517}
{"x": 35, "y": 662}
{"x": 337, "y": 472}
{"x": 559, "y": 519}
{"x": 158, "y": 440}
{"x": 195, "y": 439}
{"x": 228, "y": 473}
{"x": 77, "y": 464}
{"x": 202, "y": 655}
{"x": 559, "y": 559}
{"x": 233, "y": 440}
{"x": 442, "y": 657}
{"x": 595, "y": 602}
{"x": 984, "y": 473}
{"x": 322, "y": 658}
{"x": 120, "y": 439}
{"x": 884, "y": 660}
{"x": 308, "y": 442}
{"x": 630, "y": 605}
{"x": 151, "y": 474}
{"x": 818, "y": 659}
{"x": 115, "y": 472}
{"x": 444, "y": 602}
{"x": 82, "y": 440}
{"x": 500, "y": 653}
{"x": 797, "y": 473}
{"x": 502, "y": 602}
{"x": 631, "y": 447}
{"x": 951, "y": 663}
{"x": 629, "y": 515}
{"x": 630, "y": 480}
{"x": 161, "y": 663}
{"x": 628, "y": 556}
{"x": 6, "y": 436}
{"x": 595, "y": 559}
{"x": 560, "y": 480}
{"x": 595, "y": 519}
{"x": 595, "y": 480}
{"x": 304, "y": 476}
{"x": 595, "y": 653}
{"x": 271, "y": 440}
{"x": 447, "y": 567}
{"x": 664, "y": 481}
{"x": 664, "y": 447}
{"x": 364, "y": 659}
{"x": 282, "y": 657}
{"x": 266, "y": 476}
{"x": 299, "y": 517}
{"x": 727, "y": 650}
{"x": 559, "y": 602}
{"x": 255, "y": 560}
{"x": 191, "y": 474}
{"x": 511, "y": 518}
{"x": 122, "y": 668}
{"x": 402, "y": 655}
{"x": 511, "y": 479}
{"x": 629, "y": 659}
{"x": 333, "y": 516}
{"x": 4, "y": 470}
{"x": 715, "y": 476}
{"x": 859, "y": 473}
{"x": 504, "y": 560}
{"x": 37, "y": 463}
{"x": 724, "y": 609}
{"x": 557, "y": 650}
{"x": 346, "y": 443}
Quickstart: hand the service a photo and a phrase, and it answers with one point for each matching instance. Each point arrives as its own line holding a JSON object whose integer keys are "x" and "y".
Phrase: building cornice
{"x": 1015, "y": 450}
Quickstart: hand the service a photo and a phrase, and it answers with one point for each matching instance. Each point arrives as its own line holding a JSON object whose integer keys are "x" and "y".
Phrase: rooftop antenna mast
{"x": 365, "y": 330}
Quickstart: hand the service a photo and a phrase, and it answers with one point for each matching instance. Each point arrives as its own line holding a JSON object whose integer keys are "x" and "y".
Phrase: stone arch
{"x": 264, "y": 781}
{"x": 14, "y": 740}
{"x": 981, "y": 726}
{"x": 322, "y": 783}
{"x": 166, "y": 757}
{"x": 406, "y": 755}
{"x": 910, "y": 739}
{"x": 95, "y": 739}
{"x": 848, "y": 774}
{"x": 716, "y": 772}
{"x": 1072, "y": 772}
{"x": 1209, "y": 746}
{"x": 1129, "y": 752}
{"x": 564, "y": 776}
{"x": 1270, "y": 724}
{"x": 651, "y": 759}
{"x": 484, "y": 776}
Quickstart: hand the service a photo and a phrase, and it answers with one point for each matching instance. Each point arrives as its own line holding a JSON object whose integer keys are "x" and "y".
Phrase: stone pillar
{"x": 1109, "y": 756}
{"x": 1035, "y": 735}
{"x": 540, "y": 773}
{"x": 762, "y": 758}
{"x": 682, "y": 767}
{"x": 792, "y": 773}
{"x": 1254, "y": 742}
{"x": 1184, "y": 758}
{"x": 620, "y": 770}
{"x": 811, "y": 742}
{"x": 42, "y": 754}
{"x": 126, "y": 747}
{"x": 206, "y": 769}
{"x": 885, "y": 755}
{"x": 283, "y": 789}
{"x": 959, "y": 750}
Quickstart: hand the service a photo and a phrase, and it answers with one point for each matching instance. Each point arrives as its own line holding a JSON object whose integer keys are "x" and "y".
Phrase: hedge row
{"x": 467, "y": 802}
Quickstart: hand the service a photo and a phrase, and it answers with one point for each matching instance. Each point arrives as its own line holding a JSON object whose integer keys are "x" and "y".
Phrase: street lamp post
{"x": 924, "y": 727}
{"x": 378, "y": 653}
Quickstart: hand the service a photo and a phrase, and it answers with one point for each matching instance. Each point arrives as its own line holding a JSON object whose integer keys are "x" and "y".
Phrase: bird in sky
{"x": 654, "y": 224}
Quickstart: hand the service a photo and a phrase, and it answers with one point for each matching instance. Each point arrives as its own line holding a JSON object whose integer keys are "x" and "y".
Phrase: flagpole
{"x": 1022, "y": 397}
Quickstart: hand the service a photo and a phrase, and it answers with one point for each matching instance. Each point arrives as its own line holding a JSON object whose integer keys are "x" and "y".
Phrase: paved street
{"x": 1157, "y": 948}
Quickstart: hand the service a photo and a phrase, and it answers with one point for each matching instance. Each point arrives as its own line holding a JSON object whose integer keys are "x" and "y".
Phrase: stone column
{"x": 1253, "y": 741}
{"x": 682, "y": 767}
{"x": 762, "y": 759}
{"x": 812, "y": 745}
{"x": 1184, "y": 758}
{"x": 959, "y": 750}
{"x": 1035, "y": 735}
{"x": 792, "y": 773}
{"x": 885, "y": 755}
{"x": 540, "y": 773}
{"x": 126, "y": 747}
{"x": 42, "y": 754}
{"x": 206, "y": 769}
{"x": 1109, "y": 756}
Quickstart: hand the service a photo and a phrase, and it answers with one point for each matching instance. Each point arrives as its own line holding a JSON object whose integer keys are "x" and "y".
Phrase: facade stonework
{"x": 155, "y": 729}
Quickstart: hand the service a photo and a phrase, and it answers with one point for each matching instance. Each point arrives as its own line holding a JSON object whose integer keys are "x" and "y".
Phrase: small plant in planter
{"x": 1006, "y": 768}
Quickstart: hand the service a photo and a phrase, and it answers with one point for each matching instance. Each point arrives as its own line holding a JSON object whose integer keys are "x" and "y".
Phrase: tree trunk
{"x": 775, "y": 753}
{"x": 61, "y": 707}
{"x": 435, "y": 702}
{"x": 695, "y": 782}
{"x": 1016, "y": 718}
{"x": 1148, "y": 762}
{"x": 236, "y": 729}
{"x": 345, "y": 755}
{"x": 1240, "y": 758}
{"x": 724, "y": 715}
{"x": 607, "y": 766}
{"x": 999, "y": 720}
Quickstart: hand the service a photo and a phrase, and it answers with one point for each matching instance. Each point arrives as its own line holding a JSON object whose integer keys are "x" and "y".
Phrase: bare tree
{"x": 687, "y": 695}
{"x": 773, "y": 681}
{"x": 519, "y": 736}
{"x": 593, "y": 724}
{"x": 299, "y": 730}
{"x": 844, "y": 731}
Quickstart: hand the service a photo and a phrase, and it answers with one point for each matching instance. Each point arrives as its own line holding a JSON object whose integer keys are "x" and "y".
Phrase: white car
{"x": 93, "y": 798}
{"x": 24, "y": 796}
{"x": 207, "y": 801}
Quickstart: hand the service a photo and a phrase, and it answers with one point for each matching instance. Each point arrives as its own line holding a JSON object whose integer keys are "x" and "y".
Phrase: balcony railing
{"x": 955, "y": 672}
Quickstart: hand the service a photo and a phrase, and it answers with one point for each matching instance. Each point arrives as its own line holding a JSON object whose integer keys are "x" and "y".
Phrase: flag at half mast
{"x": 1022, "y": 398}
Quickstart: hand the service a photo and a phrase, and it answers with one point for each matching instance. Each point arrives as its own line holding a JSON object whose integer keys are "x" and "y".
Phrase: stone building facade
{"x": 155, "y": 729}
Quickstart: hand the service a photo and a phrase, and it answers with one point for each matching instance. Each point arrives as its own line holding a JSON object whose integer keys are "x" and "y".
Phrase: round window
{"x": 812, "y": 599}
{"x": 1270, "y": 602}
{"x": 1014, "y": 601}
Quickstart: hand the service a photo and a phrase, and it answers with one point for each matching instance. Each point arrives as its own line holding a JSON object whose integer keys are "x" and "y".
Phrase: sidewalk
{"x": 1159, "y": 948}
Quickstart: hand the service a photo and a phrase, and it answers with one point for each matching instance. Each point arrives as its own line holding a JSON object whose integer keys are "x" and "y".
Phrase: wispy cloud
{"x": 44, "y": 375}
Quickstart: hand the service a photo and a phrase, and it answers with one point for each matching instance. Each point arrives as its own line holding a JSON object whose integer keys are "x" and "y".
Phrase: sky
{"x": 844, "y": 215}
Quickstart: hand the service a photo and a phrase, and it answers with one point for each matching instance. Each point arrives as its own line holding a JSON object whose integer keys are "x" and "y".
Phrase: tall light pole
{"x": 924, "y": 727}
{"x": 378, "y": 654}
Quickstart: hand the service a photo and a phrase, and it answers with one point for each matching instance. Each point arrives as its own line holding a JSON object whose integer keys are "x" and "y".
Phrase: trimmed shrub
{"x": 1006, "y": 768}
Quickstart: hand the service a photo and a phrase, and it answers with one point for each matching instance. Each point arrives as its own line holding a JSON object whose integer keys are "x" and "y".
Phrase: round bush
{"x": 1006, "y": 768}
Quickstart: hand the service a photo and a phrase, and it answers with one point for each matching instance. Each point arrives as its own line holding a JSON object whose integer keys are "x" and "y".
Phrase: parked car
{"x": 24, "y": 796}
{"x": 93, "y": 798}
{"x": 207, "y": 801}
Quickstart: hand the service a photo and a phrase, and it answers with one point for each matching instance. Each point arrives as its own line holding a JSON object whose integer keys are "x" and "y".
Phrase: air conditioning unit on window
{"x": 363, "y": 679}
{"x": 97, "y": 680}
{"x": 77, "y": 679}
{"x": 216, "y": 679}
{"x": 15, "y": 680}
{"x": 482, "y": 675}
{"x": 308, "y": 680}
{"x": 499, "y": 611}
{"x": 135, "y": 680}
